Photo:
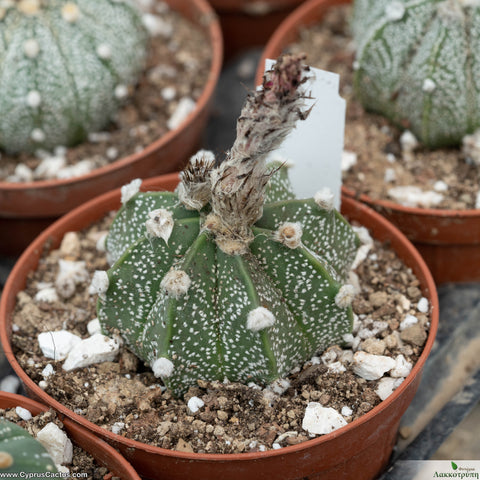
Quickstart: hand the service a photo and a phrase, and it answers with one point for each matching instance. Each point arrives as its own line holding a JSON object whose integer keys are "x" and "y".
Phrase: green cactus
{"x": 20, "y": 452}
{"x": 418, "y": 64}
{"x": 64, "y": 68}
{"x": 231, "y": 277}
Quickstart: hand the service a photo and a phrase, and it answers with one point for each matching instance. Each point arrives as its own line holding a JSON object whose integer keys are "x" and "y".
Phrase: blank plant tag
{"x": 315, "y": 147}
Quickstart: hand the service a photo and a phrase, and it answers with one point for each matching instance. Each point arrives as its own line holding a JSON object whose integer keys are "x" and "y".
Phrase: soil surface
{"x": 124, "y": 396}
{"x": 382, "y": 162}
{"x": 177, "y": 68}
{"x": 82, "y": 463}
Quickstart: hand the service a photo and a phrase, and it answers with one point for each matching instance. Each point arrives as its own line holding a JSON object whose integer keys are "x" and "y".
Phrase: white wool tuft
{"x": 289, "y": 234}
{"x": 162, "y": 367}
{"x": 260, "y": 318}
{"x": 160, "y": 224}
{"x": 345, "y": 296}
{"x": 176, "y": 283}
{"x": 99, "y": 284}
{"x": 324, "y": 198}
{"x": 130, "y": 189}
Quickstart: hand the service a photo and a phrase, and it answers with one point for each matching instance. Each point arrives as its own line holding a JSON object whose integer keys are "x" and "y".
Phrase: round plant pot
{"x": 101, "y": 451}
{"x": 28, "y": 208}
{"x": 359, "y": 450}
{"x": 249, "y": 23}
{"x": 449, "y": 240}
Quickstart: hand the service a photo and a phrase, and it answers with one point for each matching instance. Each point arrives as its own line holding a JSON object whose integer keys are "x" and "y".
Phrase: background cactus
{"x": 231, "y": 277}
{"x": 20, "y": 452}
{"x": 418, "y": 63}
{"x": 64, "y": 68}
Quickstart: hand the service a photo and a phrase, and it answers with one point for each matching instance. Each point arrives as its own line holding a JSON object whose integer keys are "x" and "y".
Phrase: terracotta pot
{"x": 103, "y": 453}
{"x": 359, "y": 450}
{"x": 449, "y": 240}
{"x": 28, "y": 208}
{"x": 249, "y": 23}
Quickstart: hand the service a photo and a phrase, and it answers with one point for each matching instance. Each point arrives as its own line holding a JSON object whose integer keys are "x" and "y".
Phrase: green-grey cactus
{"x": 418, "y": 64}
{"x": 65, "y": 65}
{"x": 231, "y": 277}
{"x": 20, "y": 452}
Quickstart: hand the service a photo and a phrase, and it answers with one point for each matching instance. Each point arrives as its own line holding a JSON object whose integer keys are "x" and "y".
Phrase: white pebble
{"x": 412, "y": 196}
{"x": 408, "y": 321}
{"x": 168, "y": 93}
{"x": 408, "y": 141}
{"x": 336, "y": 367}
{"x": 156, "y": 25}
{"x": 93, "y": 326}
{"x": 23, "y": 413}
{"x": 422, "y": 305}
{"x": 280, "y": 386}
{"x": 185, "y": 106}
{"x": 349, "y": 159}
{"x": 48, "y": 370}
{"x": 121, "y": 92}
{"x": 49, "y": 167}
{"x": 371, "y": 367}
{"x": 117, "y": 427}
{"x": 390, "y": 175}
{"x": 48, "y": 295}
{"x": 440, "y": 186}
{"x": 402, "y": 367}
{"x": 321, "y": 420}
{"x": 195, "y": 404}
{"x": 386, "y": 386}
{"x": 347, "y": 411}
{"x": 84, "y": 167}
{"x": 96, "y": 349}
{"x": 57, "y": 345}
{"x": 112, "y": 153}
{"x": 57, "y": 444}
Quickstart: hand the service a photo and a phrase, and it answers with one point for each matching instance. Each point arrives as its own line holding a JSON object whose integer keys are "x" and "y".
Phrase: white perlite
{"x": 93, "y": 326}
{"x": 349, "y": 159}
{"x": 260, "y": 318}
{"x": 117, "y": 427}
{"x": 70, "y": 274}
{"x": 57, "y": 444}
{"x": 195, "y": 404}
{"x": 321, "y": 420}
{"x": 183, "y": 110}
{"x": 162, "y": 367}
{"x": 422, "y": 305}
{"x": 367, "y": 243}
{"x": 176, "y": 283}
{"x": 99, "y": 284}
{"x": 156, "y": 25}
{"x": 23, "y": 413}
{"x": 160, "y": 224}
{"x": 57, "y": 345}
{"x": 371, "y": 367}
{"x": 347, "y": 411}
{"x": 96, "y": 349}
{"x": 408, "y": 321}
{"x": 48, "y": 370}
{"x": 387, "y": 385}
{"x": 402, "y": 367}
{"x": 130, "y": 189}
{"x": 412, "y": 196}
{"x": 47, "y": 294}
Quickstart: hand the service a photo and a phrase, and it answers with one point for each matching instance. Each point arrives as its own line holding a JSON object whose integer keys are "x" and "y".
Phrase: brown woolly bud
{"x": 238, "y": 185}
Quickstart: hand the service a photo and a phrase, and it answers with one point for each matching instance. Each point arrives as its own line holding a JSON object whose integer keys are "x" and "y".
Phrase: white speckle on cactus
{"x": 394, "y": 11}
{"x": 23, "y": 413}
{"x": 321, "y": 420}
{"x": 176, "y": 283}
{"x": 259, "y": 319}
{"x": 289, "y": 234}
{"x": 185, "y": 106}
{"x": 104, "y": 51}
{"x": 324, "y": 199}
{"x": 345, "y": 296}
{"x": 130, "y": 190}
{"x": 48, "y": 295}
{"x": 429, "y": 85}
{"x": 162, "y": 367}
{"x": 160, "y": 224}
{"x": 121, "y": 92}
{"x": 349, "y": 159}
{"x": 70, "y": 12}
{"x": 37, "y": 135}
{"x": 29, "y": 7}
{"x": 34, "y": 99}
{"x": 99, "y": 284}
{"x": 194, "y": 404}
{"x": 57, "y": 444}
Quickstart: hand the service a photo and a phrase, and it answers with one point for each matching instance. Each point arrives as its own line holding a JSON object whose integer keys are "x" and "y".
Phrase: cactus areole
{"x": 231, "y": 277}
{"x": 65, "y": 66}
{"x": 21, "y": 453}
{"x": 418, "y": 64}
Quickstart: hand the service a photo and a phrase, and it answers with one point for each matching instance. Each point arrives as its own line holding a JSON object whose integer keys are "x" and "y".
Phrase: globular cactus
{"x": 64, "y": 68}
{"x": 418, "y": 64}
{"x": 231, "y": 277}
{"x": 20, "y": 452}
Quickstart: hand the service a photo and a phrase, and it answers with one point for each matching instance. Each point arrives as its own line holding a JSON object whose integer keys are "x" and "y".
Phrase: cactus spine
{"x": 419, "y": 65}
{"x": 231, "y": 277}
{"x": 64, "y": 68}
{"x": 20, "y": 452}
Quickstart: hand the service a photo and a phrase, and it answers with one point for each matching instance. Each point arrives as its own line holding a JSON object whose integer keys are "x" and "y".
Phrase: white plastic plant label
{"x": 314, "y": 148}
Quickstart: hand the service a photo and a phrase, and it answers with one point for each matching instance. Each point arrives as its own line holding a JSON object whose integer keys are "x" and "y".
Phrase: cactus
{"x": 231, "y": 277}
{"x": 64, "y": 68}
{"x": 20, "y": 452}
{"x": 418, "y": 64}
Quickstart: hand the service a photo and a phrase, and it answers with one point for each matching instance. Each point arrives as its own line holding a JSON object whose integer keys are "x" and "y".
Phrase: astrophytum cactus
{"x": 21, "y": 453}
{"x": 418, "y": 64}
{"x": 64, "y": 68}
{"x": 231, "y": 277}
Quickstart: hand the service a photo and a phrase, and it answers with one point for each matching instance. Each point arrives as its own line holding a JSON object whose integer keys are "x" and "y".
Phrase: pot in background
{"x": 449, "y": 240}
{"x": 28, "y": 208}
{"x": 360, "y": 450}
{"x": 103, "y": 453}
